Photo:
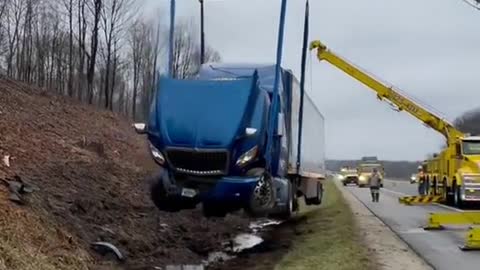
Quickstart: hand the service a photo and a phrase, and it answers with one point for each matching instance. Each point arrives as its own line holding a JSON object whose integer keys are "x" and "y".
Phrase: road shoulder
{"x": 391, "y": 252}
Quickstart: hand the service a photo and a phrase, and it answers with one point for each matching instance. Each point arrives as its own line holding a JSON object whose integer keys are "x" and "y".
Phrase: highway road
{"x": 439, "y": 248}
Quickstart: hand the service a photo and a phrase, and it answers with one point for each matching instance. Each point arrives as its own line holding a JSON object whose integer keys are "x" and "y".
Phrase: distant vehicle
{"x": 349, "y": 176}
{"x": 365, "y": 169}
{"x": 413, "y": 178}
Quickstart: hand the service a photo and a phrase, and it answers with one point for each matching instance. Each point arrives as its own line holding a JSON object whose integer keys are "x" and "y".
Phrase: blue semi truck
{"x": 209, "y": 136}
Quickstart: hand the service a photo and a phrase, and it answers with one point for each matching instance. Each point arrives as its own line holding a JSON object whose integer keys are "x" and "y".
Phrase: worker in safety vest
{"x": 374, "y": 184}
{"x": 421, "y": 181}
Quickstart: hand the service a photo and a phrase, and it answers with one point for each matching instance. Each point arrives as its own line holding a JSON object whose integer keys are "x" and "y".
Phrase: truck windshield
{"x": 368, "y": 168}
{"x": 471, "y": 147}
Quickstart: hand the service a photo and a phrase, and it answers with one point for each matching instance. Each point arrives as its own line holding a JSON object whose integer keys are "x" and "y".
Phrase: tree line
{"x": 102, "y": 52}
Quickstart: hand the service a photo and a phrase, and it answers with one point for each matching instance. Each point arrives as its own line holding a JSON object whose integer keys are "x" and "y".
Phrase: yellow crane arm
{"x": 387, "y": 93}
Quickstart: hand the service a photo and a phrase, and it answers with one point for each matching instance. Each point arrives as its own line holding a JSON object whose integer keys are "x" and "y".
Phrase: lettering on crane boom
{"x": 405, "y": 103}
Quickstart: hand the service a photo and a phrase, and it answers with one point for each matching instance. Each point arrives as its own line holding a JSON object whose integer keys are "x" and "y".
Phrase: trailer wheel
{"x": 317, "y": 200}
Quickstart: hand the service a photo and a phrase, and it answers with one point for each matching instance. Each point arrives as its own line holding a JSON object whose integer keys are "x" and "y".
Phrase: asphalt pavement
{"x": 439, "y": 248}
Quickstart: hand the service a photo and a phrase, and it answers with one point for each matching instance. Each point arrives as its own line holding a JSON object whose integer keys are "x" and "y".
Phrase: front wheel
{"x": 162, "y": 200}
{"x": 457, "y": 196}
{"x": 263, "y": 197}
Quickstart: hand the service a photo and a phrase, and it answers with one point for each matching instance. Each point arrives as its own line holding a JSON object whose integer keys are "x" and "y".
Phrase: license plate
{"x": 188, "y": 192}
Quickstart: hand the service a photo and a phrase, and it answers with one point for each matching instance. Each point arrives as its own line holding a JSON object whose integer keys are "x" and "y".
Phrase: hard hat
{"x": 420, "y": 167}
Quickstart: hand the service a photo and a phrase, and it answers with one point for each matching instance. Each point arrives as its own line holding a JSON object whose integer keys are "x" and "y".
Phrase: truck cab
{"x": 465, "y": 186}
{"x": 209, "y": 136}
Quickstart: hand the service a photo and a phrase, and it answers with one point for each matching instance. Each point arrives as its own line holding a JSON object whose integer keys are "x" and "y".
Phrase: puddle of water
{"x": 263, "y": 223}
{"x": 240, "y": 243}
{"x": 245, "y": 241}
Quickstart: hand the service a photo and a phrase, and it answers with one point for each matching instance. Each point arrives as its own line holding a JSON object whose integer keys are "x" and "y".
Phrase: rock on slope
{"x": 89, "y": 166}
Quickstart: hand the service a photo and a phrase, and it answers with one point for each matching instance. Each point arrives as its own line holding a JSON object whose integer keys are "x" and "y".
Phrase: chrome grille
{"x": 198, "y": 162}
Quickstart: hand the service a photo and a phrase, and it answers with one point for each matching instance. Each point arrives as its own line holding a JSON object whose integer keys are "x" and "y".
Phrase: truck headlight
{"x": 156, "y": 154}
{"x": 341, "y": 177}
{"x": 247, "y": 156}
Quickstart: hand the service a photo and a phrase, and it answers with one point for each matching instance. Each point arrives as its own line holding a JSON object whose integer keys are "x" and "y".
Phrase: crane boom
{"x": 385, "y": 92}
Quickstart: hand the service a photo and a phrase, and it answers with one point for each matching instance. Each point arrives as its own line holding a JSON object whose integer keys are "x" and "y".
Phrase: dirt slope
{"x": 90, "y": 167}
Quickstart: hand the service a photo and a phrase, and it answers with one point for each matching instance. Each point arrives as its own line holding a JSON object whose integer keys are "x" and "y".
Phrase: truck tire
{"x": 263, "y": 197}
{"x": 448, "y": 198}
{"x": 159, "y": 196}
{"x": 213, "y": 210}
{"x": 457, "y": 199}
{"x": 317, "y": 200}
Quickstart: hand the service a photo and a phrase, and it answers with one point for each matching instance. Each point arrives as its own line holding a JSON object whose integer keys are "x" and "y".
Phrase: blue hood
{"x": 202, "y": 113}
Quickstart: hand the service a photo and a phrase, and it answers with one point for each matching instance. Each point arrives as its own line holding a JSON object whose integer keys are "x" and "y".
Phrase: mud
{"x": 90, "y": 166}
{"x": 90, "y": 169}
{"x": 277, "y": 239}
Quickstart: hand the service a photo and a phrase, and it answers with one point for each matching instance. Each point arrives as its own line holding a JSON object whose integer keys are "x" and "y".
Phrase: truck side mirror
{"x": 280, "y": 125}
{"x": 140, "y": 128}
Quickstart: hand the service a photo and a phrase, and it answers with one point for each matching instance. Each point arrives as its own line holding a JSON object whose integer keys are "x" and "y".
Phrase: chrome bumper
{"x": 470, "y": 193}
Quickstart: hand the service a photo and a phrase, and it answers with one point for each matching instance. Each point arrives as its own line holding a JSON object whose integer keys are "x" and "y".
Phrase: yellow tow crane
{"x": 455, "y": 171}
{"x": 458, "y": 172}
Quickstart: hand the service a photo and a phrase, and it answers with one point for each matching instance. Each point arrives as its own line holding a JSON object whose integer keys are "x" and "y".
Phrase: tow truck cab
{"x": 469, "y": 171}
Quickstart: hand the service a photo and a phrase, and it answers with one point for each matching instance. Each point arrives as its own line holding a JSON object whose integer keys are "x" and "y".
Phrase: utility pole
{"x": 202, "y": 33}
{"x": 171, "y": 40}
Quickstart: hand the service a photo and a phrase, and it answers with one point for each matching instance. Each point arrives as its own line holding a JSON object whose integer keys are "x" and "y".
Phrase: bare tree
{"x": 97, "y": 9}
{"x": 138, "y": 39}
{"x": 77, "y": 48}
{"x": 115, "y": 14}
{"x": 187, "y": 52}
{"x": 82, "y": 52}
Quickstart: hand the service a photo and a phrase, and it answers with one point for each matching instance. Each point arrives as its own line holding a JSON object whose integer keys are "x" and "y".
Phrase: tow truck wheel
{"x": 457, "y": 199}
{"x": 448, "y": 198}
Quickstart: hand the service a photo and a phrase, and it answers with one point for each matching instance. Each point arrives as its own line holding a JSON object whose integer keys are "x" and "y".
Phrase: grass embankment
{"x": 330, "y": 238}
{"x": 28, "y": 242}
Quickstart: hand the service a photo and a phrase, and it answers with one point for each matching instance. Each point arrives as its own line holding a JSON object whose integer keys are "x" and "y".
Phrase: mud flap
{"x": 285, "y": 200}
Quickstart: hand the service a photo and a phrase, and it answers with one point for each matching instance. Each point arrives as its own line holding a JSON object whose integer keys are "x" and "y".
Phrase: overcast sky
{"x": 427, "y": 48}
